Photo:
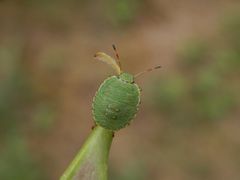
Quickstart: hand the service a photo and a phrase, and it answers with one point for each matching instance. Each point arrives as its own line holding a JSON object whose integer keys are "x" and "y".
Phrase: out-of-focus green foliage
{"x": 134, "y": 170}
{"x": 17, "y": 101}
{"x": 172, "y": 92}
{"x": 205, "y": 89}
{"x": 15, "y": 92}
{"x": 17, "y": 162}
{"x": 124, "y": 11}
{"x": 44, "y": 116}
{"x": 59, "y": 14}
{"x": 193, "y": 54}
{"x": 231, "y": 30}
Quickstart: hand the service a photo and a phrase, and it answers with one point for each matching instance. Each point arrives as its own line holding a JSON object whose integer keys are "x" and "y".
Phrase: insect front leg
{"x": 94, "y": 125}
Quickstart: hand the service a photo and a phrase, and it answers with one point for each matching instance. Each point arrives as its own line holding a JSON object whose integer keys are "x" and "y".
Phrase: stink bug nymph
{"x": 117, "y": 100}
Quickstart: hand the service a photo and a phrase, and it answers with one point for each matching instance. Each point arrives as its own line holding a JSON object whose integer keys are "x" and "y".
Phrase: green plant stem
{"x": 91, "y": 162}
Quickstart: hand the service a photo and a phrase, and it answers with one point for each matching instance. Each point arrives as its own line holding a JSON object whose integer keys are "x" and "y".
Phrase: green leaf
{"x": 91, "y": 162}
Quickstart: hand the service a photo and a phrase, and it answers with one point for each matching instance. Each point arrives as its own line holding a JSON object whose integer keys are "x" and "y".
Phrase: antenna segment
{"x": 117, "y": 55}
{"x": 148, "y": 70}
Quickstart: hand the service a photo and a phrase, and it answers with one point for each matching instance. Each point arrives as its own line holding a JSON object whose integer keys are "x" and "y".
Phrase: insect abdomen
{"x": 115, "y": 103}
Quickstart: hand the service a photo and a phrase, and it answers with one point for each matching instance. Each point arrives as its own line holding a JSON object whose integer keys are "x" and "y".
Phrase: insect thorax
{"x": 126, "y": 77}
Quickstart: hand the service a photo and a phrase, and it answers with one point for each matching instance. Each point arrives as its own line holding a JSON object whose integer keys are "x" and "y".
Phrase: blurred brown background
{"x": 188, "y": 126}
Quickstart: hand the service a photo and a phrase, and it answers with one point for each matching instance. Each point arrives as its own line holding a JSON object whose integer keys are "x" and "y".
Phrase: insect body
{"x": 117, "y": 99}
{"x": 116, "y": 102}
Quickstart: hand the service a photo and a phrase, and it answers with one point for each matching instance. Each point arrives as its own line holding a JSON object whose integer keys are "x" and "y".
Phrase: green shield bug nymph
{"x": 117, "y": 100}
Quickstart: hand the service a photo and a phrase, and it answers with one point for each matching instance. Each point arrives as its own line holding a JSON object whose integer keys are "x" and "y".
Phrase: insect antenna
{"x": 117, "y": 55}
{"x": 148, "y": 70}
{"x": 109, "y": 60}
